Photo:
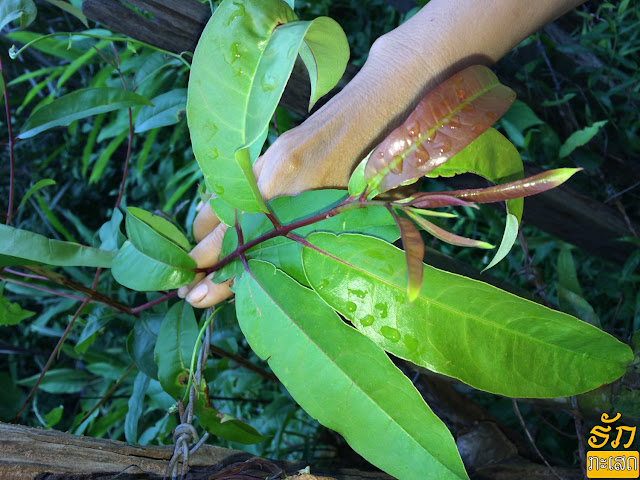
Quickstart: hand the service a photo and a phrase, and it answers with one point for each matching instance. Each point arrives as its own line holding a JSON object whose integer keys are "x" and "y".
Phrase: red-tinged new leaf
{"x": 437, "y": 200}
{"x": 520, "y": 188}
{"x": 450, "y": 117}
{"x": 445, "y": 236}
{"x": 414, "y": 253}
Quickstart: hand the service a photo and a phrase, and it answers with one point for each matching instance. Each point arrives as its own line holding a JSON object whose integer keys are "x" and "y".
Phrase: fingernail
{"x": 182, "y": 292}
{"x": 197, "y": 294}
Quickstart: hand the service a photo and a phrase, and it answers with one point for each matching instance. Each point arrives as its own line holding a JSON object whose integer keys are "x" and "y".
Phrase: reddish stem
{"x": 126, "y": 160}
{"x": 42, "y": 289}
{"x": 152, "y": 303}
{"x": 27, "y": 275}
{"x": 11, "y": 143}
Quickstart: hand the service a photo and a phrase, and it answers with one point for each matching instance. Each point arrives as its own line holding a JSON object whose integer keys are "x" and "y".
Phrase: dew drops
{"x": 268, "y": 82}
{"x": 396, "y": 165}
{"x": 381, "y": 154}
{"x": 390, "y": 333}
{"x": 351, "y": 307}
{"x": 477, "y": 127}
{"x": 443, "y": 147}
{"x": 382, "y": 308}
{"x": 432, "y": 137}
{"x": 453, "y": 123}
{"x": 236, "y": 52}
{"x": 413, "y": 130}
{"x": 218, "y": 189}
{"x": 410, "y": 342}
{"x": 461, "y": 94}
{"x": 358, "y": 293}
{"x": 214, "y": 154}
{"x": 469, "y": 108}
{"x": 367, "y": 320}
{"x": 420, "y": 156}
{"x": 323, "y": 283}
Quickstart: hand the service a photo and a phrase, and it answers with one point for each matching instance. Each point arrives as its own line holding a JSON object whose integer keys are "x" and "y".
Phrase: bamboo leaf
{"x": 79, "y": 104}
{"x": 21, "y": 247}
{"x": 45, "y": 182}
{"x": 463, "y": 328}
{"x": 450, "y": 117}
{"x": 342, "y": 378}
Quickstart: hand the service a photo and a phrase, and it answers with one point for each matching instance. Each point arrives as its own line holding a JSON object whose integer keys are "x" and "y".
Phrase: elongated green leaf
{"x": 79, "y": 104}
{"x": 579, "y": 138}
{"x": 136, "y": 408}
{"x": 325, "y": 53}
{"x": 22, "y": 10}
{"x": 21, "y": 247}
{"x": 61, "y": 380}
{"x": 167, "y": 109}
{"x": 67, "y": 7}
{"x": 508, "y": 239}
{"x": 450, "y": 117}
{"x": 105, "y": 156}
{"x": 140, "y": 271}
{"x": 342, "y": 378}
{"x": 223, "y": 425}
{"x": 460, "y": 327}
{"x": 141, "y": 343}
{"x": 141, "y": 224}
{"x": 45, "y": 182}
{"x": 69, "y": 70}
{"x": 176, "y": 340}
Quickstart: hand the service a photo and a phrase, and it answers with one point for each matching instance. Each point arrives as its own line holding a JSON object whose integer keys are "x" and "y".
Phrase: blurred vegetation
{"x": 568, "y": 78}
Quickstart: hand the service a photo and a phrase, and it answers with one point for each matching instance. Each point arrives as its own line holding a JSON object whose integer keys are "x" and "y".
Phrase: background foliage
{"x": 576, "y": 112}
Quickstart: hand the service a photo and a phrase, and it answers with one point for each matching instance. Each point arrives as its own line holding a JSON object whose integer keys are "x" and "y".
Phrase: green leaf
{"x": 508, "y": 239}
{"x": 111, "y": 237}
{"x": 53, "y": 417}
{"x": 357, "y": 182}
{"x": 244, "y": 160}
{"x": 70, "y": 9}
{"x": 72, "y": 68}
{"x": 444, "y": 235}
{"x": 139, "y": 271}
{"x": 142, "y": 342}
{"x": 222, "y": 75}
{"x": 495, "y": 158}
{"x": 61, "y": 380}
{"x": 21, "y": 247}
{"x": 79, "y": 104}
{"x": 449, "y": 118}
{"x": 105, "y": 156}
{"x": 167, "y": 109}
{"x": 463, "y": 328}
{"x": 325, "y": 53}
{"x": 22, "y": 10}
{"x": 12, "y": 313}
{"x": 176, "y": 340}
{"x": 223, "y": 210}
{"x": 136, "y": 408}
{"x": 342, "y": 378}
{"x": 141, "y": 224}
{"x": 579, "y": 138}
{"x": 45, "y": 182}
{"x": 223, "y": 425}
{"x": 96, "y": 322}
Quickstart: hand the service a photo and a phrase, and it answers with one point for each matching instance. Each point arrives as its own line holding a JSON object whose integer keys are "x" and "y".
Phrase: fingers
{"x": 207, "y": 293}
{"x": 204, "y": 222}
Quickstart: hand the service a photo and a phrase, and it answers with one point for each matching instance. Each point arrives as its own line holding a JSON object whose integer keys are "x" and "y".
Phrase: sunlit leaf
{"x": 79, "y": 104}
{"x": 22, "y": 10}
{"x": 174, "y": 347}
{"x": 141, "y": 226}
{"x": 450, "y": 117}
{"x": 341, "y": 378}
{"x": 579, "y": 138}
{"x": 21, "y": 247}
{"x": 463, "y": 328}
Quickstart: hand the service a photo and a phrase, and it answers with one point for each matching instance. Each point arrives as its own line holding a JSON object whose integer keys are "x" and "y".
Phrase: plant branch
{"x": 11, "y": 143}
{"x": 42, "y": 289}
{"x": 78, "y": 287}
{"x": 245, "y": 363}
{"x": 152, "y": 303}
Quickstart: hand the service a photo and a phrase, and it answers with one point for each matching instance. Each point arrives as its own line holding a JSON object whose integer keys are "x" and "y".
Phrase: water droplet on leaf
{"x": 367, "y": 320}
{"x": 351, "y": 307}
{"x": 493, "y": 116}
{"x": 218, "y": 189}
{"x": 238, "y": 12}
{"x": 396, "y": 165}
{"x": 469, "y": 108}
{"x": 410, "y": 342}
{"x": 390, "y": 333}
{"x": 421, "y": 156}
{"x": 461, "y": 94}
{"x": 268, "y": 82}
{"x": 358, "y": 293}
{"x": 323, "y": 283}
{"x": 214, "y": 154}
{"x": 383, "y": 308}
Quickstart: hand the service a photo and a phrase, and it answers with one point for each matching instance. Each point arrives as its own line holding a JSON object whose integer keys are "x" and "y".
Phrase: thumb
{"x": 202, "y": 292}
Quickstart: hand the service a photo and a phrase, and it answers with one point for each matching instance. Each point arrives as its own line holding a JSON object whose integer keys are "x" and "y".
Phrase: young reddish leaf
{"x": 520, "y": 188}
{"x": 414, "y": 253}
{"x": 450, "y": 117}
{"x": 439, "y": 199}
{"x": 445, "y": 236}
